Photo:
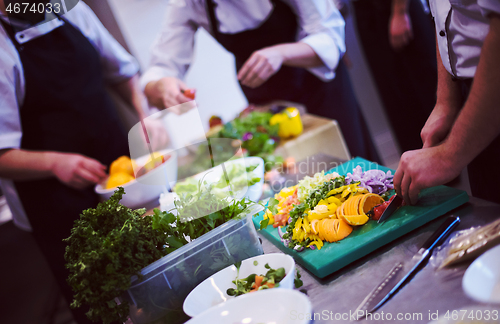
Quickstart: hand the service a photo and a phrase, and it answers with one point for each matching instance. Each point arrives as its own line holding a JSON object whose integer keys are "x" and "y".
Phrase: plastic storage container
{"x": 159, "y": 296}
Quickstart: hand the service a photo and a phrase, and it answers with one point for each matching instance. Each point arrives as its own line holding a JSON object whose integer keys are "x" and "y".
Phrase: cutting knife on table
{"x": 403, "y": 270}
{"x": 396, "y": 202}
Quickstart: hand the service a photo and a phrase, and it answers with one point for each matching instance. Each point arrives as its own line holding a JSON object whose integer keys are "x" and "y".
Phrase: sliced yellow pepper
{"x": 334, "y": 200}
{"x": 318, "y": 244}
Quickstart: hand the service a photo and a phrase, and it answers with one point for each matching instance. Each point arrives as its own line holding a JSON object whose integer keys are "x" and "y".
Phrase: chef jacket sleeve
{"x": 489, "y": 6}
{"x": 322, "y": 28}
{"x": 118, "y": 65}
{"x": 10, "y": 124}
{"x": 172, "y": 51}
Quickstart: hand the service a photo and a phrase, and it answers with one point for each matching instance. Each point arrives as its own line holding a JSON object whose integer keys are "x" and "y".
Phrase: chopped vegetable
{"x": 255, "y": 282}
{"x": 329, "y": 207}
{"x": 238, "y": 176}
{"x": 308, "y": 184}
{"x": 376, "y": 181}
{"x": 189, "y": 93}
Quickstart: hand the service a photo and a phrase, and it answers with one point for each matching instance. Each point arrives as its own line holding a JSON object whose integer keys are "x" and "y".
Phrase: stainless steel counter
{"x": 336, "y": 297}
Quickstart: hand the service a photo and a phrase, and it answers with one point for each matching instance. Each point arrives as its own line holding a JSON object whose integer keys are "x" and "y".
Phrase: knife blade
{"x": 395, "y": 204}
{"x": 403, "y": 270}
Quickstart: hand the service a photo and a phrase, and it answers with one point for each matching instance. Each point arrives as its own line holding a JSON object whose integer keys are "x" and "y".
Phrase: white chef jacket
{"x": 461, "y": 27}
{"x": 321, "y": 27}
{"x": 117, "y": 65}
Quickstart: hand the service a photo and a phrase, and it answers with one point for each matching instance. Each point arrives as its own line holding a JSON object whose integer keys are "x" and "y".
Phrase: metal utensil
{"x": 395, "y": 204}
{"x": 403, "y": 270}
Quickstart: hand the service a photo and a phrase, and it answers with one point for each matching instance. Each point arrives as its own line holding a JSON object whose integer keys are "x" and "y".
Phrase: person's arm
{"x": 171, "y": 56}
{"x": 400, "y": 29}
{"x": 74, "y": 170}
{"x": 479, "y": 121}
{"x": 448, "y": 104}
{"x": 319, "y": 48}
{"x": 166, "y": 92}
{"x": 476, "y": 126}
{"x": 265, "y": 62}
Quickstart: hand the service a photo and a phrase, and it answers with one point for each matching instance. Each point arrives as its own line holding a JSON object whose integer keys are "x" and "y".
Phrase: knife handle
{"x": 442, "y": 232}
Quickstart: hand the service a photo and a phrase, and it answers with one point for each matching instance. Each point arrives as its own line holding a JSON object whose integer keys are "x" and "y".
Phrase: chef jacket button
{"x": 442, "y": 33}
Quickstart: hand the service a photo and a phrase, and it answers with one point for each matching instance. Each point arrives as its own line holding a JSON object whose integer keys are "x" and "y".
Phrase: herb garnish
{"x": 111, "y": 243}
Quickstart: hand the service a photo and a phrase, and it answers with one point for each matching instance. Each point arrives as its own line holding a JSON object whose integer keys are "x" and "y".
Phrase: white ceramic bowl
{"x": 278, "y": 306}
{"x": 146, "y": 188}
{"x": 481, "y": 281}
{"x": 212, "y": 291}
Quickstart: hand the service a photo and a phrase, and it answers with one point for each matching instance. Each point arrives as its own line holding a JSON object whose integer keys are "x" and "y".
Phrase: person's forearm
{"x": 399, "y": 7}
{"x": 479, "y": 121}
{"x": 299, "y": 55}
{"x": 130, "y": 91}
{"x": 16, "y": 164}
{"x": 448, "y": 91}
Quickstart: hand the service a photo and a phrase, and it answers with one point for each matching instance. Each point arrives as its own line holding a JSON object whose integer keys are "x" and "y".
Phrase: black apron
{"x": 334, "y": 99}
{"x": 66, "y": 109}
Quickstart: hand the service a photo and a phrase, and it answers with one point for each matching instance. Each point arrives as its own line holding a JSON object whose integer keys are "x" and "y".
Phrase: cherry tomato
{"x": 379, "y": 209}
{"x": 189, "y": 93}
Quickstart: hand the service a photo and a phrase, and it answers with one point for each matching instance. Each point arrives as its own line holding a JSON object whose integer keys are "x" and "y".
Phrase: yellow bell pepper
{"x": 334, "y": 200}
{"x": 318, "y": 243}
{"x": 289, "y": 122}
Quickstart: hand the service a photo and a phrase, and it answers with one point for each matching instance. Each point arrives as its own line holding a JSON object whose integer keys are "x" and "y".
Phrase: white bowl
{"x": 481, "y": 281}
{"x": 212, "y": 291}
{"x": 146, "y": 188}
{"x": 278, "y": 306}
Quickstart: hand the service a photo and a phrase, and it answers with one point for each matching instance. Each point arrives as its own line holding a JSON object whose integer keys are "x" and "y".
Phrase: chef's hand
{"x": 77, "y": 171}
{"x": 400, "y": 31}
{"x": 424, "y": 168}
{"x": 261, "y": 65}
{"x": 438, "y": 126}
{"x": 166, "y": 93}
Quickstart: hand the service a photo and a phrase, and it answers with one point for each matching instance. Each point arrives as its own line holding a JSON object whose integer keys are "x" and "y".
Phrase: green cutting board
{"x": 365, "y": 239}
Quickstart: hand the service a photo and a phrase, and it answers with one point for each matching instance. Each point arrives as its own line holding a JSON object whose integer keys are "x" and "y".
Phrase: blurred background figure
{"x": 397, "y": 37}
{"x": 284, "y": 50}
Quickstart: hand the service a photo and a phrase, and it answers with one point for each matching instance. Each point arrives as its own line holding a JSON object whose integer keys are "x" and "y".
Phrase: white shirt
{"x": 321, "y": 27}
{"x": 461, "y": 27}
{"x": 117, "y": 65}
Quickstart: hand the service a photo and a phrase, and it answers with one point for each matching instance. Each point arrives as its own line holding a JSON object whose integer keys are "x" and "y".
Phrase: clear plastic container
{"x": 159, "y": 296}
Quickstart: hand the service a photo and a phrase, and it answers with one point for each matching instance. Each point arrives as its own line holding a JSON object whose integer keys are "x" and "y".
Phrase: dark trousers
{"x": 483, "y": 170}
{"x": 406, "y": 80}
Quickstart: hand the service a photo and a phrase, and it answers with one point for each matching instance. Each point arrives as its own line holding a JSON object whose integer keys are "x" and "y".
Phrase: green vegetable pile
{"x": 111, "y": 243}
{"x": 239, "y": 176}
{"x": 256, "y": 136}
{"x": 311, "y": 201}
{"x": 245, "y": 285}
